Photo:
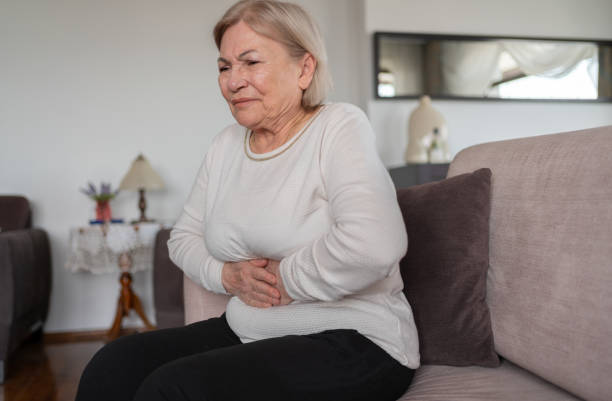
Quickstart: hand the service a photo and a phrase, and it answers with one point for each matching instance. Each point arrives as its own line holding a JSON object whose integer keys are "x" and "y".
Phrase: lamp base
{"x": 142, "y": 206}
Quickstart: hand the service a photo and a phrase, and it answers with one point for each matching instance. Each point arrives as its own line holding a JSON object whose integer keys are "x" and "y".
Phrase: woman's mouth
{"x": 242, "y": 101}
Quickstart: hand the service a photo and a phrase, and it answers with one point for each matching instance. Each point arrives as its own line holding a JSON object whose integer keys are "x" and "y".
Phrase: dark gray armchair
{"x": 25, "y": 276}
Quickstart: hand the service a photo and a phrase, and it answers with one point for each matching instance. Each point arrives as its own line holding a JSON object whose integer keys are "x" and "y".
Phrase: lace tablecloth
{"x": 96, "y": 249}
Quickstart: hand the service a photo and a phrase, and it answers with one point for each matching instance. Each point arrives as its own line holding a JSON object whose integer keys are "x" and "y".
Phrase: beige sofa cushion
{"x": 201, "y": 304}
{"x": 473, "y": 383}
{"x": 549, "y": 285}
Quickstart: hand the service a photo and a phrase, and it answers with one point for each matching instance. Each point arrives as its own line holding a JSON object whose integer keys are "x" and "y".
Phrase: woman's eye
{"x": 252, "y": 62}
{"x": 224, "y": 68}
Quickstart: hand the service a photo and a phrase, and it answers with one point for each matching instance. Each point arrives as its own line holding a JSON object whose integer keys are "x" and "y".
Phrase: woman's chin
{"x": 245, "y": 118}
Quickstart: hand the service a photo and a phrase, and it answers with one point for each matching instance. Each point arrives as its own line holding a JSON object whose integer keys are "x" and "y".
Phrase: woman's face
{"x": 259, "y": 80}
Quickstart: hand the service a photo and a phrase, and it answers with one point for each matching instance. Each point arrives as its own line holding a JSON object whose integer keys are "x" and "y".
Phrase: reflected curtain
{"x": 548, "y": 59}
{"x": 468, "y": 67}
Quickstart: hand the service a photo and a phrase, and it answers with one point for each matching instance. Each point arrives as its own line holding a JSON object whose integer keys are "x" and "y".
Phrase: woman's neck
{"x": 266, "y": 140}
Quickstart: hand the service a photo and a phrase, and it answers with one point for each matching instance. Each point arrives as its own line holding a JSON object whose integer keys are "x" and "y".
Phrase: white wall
{"x": 472, "y": 122}
{"x": 587, "y": 19}
{"x": 87, "y": 85}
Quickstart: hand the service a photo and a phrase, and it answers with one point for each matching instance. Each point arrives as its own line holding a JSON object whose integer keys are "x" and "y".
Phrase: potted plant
{"x": 102, "y": 198}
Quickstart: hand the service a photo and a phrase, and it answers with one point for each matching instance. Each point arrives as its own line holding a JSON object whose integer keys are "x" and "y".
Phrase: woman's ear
{"x": 308, "y": 65}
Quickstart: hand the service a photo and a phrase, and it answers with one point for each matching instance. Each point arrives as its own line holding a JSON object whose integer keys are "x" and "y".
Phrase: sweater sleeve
{"x": 367, "y": 237}
{"x": 187, "y": 246}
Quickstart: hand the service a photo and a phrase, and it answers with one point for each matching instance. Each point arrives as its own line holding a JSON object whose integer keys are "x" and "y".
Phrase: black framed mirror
{"x": 407, "y": 66}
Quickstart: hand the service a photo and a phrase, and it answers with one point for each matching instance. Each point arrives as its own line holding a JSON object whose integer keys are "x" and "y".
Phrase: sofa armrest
{"x": 25, "y": 274}
{"x": 201, "y": 304}
{"x": 7, "y": 287}
{"x": 167, "y": 285}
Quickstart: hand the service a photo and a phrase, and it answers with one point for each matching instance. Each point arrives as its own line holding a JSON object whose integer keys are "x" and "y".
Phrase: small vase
{"x": 425, "y": 125}
{"x": 103, "y": 211}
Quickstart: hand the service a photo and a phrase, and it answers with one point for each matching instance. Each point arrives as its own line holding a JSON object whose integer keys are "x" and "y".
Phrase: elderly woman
{"x": 294, "y": 215}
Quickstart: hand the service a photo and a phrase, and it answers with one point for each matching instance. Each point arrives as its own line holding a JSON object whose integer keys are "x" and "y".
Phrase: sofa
{"x": 167, "y": 285}
{"x": 25, "y": 276}
{"x": 544, "y": 235}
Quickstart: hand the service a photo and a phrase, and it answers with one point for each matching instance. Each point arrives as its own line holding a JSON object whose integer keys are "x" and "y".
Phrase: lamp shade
{"x": 141, "y": 176}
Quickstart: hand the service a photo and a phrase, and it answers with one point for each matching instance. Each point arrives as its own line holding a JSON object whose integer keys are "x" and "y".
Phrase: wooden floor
{"x": 46, "y": 372}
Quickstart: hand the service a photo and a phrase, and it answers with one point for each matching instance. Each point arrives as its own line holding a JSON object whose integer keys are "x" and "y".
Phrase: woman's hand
{"x": 274, "y": 268}
{"x": 250, "y": 281}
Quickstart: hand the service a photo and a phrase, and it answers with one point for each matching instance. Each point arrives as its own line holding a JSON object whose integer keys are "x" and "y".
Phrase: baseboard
{"x": 85, "y": 336}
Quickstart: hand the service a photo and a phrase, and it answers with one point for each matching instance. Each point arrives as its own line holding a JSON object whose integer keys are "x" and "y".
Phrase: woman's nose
{"x": 236, "y": 81}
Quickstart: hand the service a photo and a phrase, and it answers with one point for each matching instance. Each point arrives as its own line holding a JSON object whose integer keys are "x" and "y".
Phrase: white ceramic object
{"x": 427, "y": 135}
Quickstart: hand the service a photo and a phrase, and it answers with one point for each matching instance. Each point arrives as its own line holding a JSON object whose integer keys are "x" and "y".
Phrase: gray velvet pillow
{"x": 445, "y": 268}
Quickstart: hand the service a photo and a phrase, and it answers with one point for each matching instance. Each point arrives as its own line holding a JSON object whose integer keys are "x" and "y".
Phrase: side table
{"x": 101, "y": 248}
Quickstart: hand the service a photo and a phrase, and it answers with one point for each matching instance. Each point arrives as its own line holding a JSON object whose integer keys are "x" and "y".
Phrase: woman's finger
{"x": 255, "y": 303}
{"x": 265, "y": 289}
{"x": 264, "y": 275}
{"x": 268, "y": 295}
{"x": 265, "y": 299}
{"x": 259, "y": 262}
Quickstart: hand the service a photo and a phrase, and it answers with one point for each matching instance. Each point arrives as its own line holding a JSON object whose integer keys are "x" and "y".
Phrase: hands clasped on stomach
{"x": 256, "y": 282}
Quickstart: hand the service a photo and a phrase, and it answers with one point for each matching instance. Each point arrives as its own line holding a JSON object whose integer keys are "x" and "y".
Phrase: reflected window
{"x": 386, "y": 83}
{"x": 579, "y": 83}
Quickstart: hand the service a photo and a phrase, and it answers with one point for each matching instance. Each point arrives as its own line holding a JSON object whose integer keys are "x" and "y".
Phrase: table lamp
{"x": 141, "y": 176}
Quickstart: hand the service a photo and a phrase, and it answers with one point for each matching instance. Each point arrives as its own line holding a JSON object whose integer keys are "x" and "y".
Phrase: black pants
{"x": 206, "y": 361}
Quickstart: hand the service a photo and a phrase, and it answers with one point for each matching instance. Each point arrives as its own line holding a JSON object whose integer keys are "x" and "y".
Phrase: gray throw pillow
{"x": 445, "y": 268}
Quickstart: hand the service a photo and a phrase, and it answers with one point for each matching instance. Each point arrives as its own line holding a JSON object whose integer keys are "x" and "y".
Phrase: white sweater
{"x": 326, "y": 208}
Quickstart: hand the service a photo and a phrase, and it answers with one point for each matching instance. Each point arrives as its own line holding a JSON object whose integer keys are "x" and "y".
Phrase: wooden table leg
{"x": 137, "y": 306}
{"x": 127, "y": 300}
{"x": 113, "y": 333}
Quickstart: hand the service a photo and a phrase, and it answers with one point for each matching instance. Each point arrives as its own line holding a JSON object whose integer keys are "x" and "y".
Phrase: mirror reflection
{"x": 411, "y": 65}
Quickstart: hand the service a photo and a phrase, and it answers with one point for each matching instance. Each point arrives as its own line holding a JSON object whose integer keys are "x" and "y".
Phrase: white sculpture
{"x": 427, "y": 135}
